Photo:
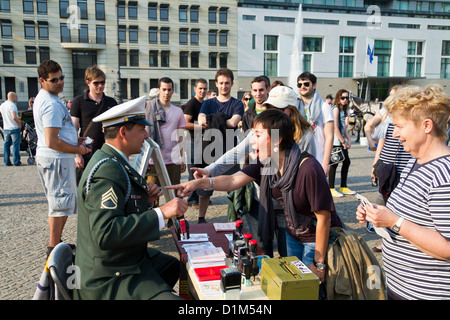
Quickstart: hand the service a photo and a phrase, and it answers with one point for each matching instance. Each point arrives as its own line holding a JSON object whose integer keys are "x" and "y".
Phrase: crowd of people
{"x": 285, "y": 153}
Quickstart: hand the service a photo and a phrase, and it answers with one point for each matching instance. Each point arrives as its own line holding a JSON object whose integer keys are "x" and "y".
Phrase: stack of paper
{"x": 224, "y": 226}
{"x": 206, "y": 257}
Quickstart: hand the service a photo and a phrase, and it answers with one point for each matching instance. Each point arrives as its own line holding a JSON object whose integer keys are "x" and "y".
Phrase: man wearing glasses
{"x": 57, "y": 145}
{"x": 86, "y": 107}
{"x": 319, "y": 114}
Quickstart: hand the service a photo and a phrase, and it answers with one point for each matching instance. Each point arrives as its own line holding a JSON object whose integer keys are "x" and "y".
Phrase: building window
{"x": 8, "y": 54}
{"x": 133, "y": 34}
{"x": 132, "y": 10}
{"x": 414, "y": 59}
{"x": 212, "y": 38}
{"x": 65, "y": 33}
{"x": 195, "y": 37}
{"x": 223, "y": 60}
{"x": 164, "y": 35}
{"x": 445, "y": 60}
{"x": 122, "y": 34}
{"x": 43, "y": 30}
{"x": 184, "y": 59}
{"x": 100, "y": 10}
{"x": 44, "y": 54}
{"x": 183, "y": 35}
{"x": 134, "y": 58}
{"x": 100, "y": 34}
{"x": 152, "y": 35}
{"x": 63, "y": 6}
{"x": 152, "y": 12}
{"x": 194, "y": 14}
{"x": 382, "y": 49}
{"x": 121, "y": 10}
{"x": 311, "y": 44}
{"x": 270, "y": 55}
{"x": 5, "y": 6}
{"x": 307, "y": 62}
{"x": 184, "y": 89}
{"x": 6, "y": 29}
{"x": 165, "y": 59}
{"x": 122, "y": 57}
{"x": 346, "y": 56}
{"x": 195, "y": 59}
{"x": 42, "y": 6}
{"x": 82, "y": 7}
{"x": 28, "y": 6}
{"x": 445, "y": 68}
{"x": 83, "y": 34}
{"x": 223, "y": 38}
{"x": 223, "y": 15}
{"x": 153, "y": 58}
{"x": 29, "y": 30}
{"x": 183, "y": 13}
{"x": 30, "y": 55}
{"x": 212, "y": 60}
{"x": 212, "y": 16}
{"x": 164, "y": 12}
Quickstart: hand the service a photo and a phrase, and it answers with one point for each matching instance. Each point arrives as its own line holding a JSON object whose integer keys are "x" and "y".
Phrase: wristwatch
{"x": 319, "y": 265}
{"x": 398, "y": 224}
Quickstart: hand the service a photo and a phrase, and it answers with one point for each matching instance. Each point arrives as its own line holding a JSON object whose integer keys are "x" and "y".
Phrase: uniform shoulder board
{"x": 95, "y": 168}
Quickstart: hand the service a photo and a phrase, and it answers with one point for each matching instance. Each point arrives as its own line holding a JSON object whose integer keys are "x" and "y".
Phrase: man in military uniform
{"x": 114, "y": 219}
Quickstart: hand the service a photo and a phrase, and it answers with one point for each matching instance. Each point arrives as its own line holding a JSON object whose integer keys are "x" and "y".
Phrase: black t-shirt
{"x": 311, "y": 194}
{"x": 86, "y": 109}
{"x": 192, "y": 108}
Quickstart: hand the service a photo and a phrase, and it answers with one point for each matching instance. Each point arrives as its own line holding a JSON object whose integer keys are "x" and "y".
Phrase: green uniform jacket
{"x": 114, "y": 226}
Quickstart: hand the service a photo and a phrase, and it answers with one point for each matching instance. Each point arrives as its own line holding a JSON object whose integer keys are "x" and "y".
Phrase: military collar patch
{"x": 109, "y": 200}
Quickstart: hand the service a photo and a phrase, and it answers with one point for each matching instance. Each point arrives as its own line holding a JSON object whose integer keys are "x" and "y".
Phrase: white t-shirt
{"x": 8, "y": 121}
{"x": 326, "y": 115}
{"x": 50, "y": 112}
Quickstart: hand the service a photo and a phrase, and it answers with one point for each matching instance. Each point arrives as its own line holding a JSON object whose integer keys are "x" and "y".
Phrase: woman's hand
{"x": 200, "y": 173}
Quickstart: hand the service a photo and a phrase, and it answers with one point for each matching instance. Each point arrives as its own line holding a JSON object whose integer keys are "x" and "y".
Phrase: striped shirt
{"x": 422, "y": 197}
{"x": 393, "y": 151}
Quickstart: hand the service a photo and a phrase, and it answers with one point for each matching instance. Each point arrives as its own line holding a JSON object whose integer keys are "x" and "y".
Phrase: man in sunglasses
{"x": 319, "y": 114}
{"x": 58, "y": 143}
{"x": 86, "y": 107}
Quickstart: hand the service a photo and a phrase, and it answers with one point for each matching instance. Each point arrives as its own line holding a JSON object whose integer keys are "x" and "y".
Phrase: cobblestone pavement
{"x": 24, "y": 228}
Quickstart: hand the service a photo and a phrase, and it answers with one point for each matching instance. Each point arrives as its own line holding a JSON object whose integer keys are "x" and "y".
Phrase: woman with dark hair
{"x": 341, "y": 140}
{"x": 290, "y": 176}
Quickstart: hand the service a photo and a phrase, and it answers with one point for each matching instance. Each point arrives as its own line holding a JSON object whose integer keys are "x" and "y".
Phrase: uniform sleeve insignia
{"x": 109, "y": 200}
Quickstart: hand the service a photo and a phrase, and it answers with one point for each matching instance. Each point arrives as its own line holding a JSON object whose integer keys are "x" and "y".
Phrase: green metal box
{"x": 288, "y": 279}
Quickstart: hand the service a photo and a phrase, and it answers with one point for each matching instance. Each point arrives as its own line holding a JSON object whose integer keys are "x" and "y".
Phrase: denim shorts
{"x": 59, "y": 180}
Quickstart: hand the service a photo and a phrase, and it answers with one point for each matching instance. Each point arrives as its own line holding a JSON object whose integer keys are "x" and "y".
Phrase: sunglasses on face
{"x": 97, "y": 83}
{"x": 306, "y": 84}
{"x": 344, "y": 98}
{"x": 247, "y": 99}
{"x": 55, "y": 80}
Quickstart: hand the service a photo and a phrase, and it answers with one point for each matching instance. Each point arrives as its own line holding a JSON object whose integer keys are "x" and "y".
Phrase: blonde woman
{"x": 417, "y": 215}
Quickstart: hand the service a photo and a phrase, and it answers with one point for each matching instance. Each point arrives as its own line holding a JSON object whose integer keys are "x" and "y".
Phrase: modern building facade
{"x": 365, "y": 46}
{"x": 137, "y": 41}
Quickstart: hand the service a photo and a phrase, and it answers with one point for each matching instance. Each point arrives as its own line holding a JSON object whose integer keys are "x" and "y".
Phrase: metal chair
{"x": 60, "y": 267}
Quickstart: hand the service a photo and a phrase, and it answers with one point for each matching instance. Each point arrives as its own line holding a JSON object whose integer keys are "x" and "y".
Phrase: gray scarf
{"x": 286, "y": 183}
{"x": 155, "y": 114}
{"x": 313, "y": 111}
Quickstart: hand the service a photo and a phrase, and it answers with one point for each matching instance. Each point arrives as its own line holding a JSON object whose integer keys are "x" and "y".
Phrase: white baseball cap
{"x": 131, "y": 111}
{"x": 282, "y": 97}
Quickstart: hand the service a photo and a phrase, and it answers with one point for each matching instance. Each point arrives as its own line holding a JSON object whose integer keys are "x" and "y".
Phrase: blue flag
{"x": 370, "y": 53}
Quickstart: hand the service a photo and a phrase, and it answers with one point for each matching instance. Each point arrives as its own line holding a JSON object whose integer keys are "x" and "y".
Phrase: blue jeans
{"x": 303, "y": 251}
{"x": 12, "y": 137}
